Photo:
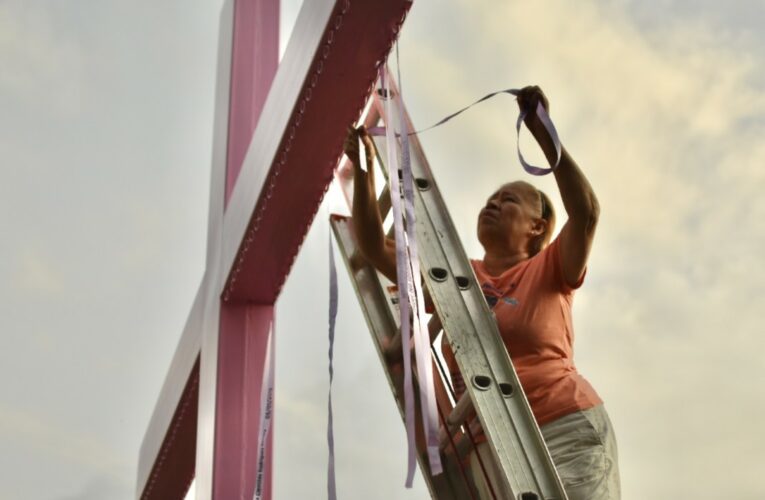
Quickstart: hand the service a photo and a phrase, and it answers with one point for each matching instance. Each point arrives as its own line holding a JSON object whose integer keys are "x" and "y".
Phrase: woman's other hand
{"x": 351, "y": 146}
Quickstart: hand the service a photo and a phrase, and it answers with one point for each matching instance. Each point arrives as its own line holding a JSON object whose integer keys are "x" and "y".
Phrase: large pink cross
{"x": 278, "y": 135}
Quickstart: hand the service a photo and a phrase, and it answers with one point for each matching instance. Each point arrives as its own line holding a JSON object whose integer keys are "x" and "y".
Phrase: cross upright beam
{"x": 260, "y": 211}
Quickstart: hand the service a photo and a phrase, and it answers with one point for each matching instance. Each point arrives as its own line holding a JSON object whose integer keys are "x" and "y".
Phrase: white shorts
{"x": 583, "y": 447}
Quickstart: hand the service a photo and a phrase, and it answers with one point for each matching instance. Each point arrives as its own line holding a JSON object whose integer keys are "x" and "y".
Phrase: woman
{"x": 529, "y": 282}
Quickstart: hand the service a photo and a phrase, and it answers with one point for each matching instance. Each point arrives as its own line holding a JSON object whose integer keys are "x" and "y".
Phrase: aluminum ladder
{"x": 493, "y": 390}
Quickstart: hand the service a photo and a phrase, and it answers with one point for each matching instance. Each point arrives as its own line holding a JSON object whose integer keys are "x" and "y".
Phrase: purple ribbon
{"x": 421, "y": 334}
{"x": 331, "y": 487}
{"x": 403, "y": 279}
{"x": 541, "y": 113}
{"x": 266, "y": 410}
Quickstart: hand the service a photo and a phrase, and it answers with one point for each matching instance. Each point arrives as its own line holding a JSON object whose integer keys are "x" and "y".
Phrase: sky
{"x": 106, "y": 112}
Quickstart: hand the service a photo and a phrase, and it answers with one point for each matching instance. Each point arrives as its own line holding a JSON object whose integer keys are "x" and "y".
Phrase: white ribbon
{"x": 331, "y": 487}
{"x": 403, "y": 279}
{"x": 266, "y": 410}
{"x": 421, "y": 335}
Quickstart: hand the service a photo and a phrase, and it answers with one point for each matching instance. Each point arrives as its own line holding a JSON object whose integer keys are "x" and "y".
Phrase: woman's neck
{"x": 497, "y": 263}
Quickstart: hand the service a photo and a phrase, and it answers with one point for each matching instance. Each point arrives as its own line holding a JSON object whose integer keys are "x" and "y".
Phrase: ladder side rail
{"x": 490, "y": 379}
{"x": 508, "y": 422}
{"x": 383, "y": 326}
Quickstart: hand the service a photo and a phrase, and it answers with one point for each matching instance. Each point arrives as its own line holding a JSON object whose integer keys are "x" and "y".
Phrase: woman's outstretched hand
{"x": 528, "y": 100}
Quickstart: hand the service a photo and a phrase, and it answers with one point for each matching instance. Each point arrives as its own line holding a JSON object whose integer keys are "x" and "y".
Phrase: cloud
{"x": 36, "y": 274}
{"x": 667, "y": 121}
{"x": 38, "y": 62}
{"x": 100, "y": 488}
{"x": 665, "y": 114}
{"x": 25, "y": 429}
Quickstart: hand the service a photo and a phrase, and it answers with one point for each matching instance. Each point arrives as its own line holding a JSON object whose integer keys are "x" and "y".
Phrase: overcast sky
{"x": 105, "y": 143}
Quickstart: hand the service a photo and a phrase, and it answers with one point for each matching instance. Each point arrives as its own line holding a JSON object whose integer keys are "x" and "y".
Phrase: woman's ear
{"x": 537, "y": 236}
{"x": 538, "y": 227}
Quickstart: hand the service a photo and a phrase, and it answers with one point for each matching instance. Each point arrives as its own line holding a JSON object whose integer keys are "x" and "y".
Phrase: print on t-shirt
{"x": 493, "y": 294}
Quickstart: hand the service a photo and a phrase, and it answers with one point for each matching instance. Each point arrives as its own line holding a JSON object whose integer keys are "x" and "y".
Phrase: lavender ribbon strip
{"x": 541, "y": 113}
{"x": 266, "y": 410}
{"x": 403, "y": 280}
{"x": 331, "y": 488}
{"x": 421, "y": 334}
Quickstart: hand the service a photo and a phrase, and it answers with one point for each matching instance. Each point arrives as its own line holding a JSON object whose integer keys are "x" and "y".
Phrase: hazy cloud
{"x": 37, "y": 61}
{"x": 105, "y": 141}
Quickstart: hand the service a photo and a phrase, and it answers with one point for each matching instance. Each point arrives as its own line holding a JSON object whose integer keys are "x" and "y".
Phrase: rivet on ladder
{"x": 506, "y": 389}
{"x": 462, "y": 282}
{"x": 482, "y": 383}
{"x": 438, "y": 274}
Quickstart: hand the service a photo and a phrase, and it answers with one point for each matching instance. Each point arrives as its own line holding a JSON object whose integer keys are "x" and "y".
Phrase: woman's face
{"x": 510, "y": 218}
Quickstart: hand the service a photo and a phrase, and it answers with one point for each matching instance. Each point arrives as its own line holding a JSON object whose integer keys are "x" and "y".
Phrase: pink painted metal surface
{"x": 241, "y": 355}
{"x": 345, "y": 69}
{"x": 243, "y": 328}
{"x": 173, "y": 470}
{"x": 254, "y": 59}
{"x": 172, "y": 430}
{"x": 320, "y": 87}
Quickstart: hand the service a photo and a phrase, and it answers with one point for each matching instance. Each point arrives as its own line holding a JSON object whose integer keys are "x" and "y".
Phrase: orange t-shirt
{"x": 532, "y": 303}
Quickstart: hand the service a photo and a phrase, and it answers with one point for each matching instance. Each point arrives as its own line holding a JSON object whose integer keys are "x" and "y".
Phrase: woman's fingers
{"x": 369, "y": 144}
{"x": 351, "y": 144}
{"x": 529, "y": 97}
{"x": 541, "y": 97}
{"x": 364, "y": 134}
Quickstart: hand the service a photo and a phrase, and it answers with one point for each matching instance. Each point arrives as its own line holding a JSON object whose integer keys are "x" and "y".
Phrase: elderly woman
{"x": 529, "y": 282}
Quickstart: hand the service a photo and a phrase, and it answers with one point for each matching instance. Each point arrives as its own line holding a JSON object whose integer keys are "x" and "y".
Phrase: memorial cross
{"x": 278, "y": 134}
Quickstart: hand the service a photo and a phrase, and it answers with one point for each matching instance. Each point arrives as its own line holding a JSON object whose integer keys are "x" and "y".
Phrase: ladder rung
{"x": 391, "y": 234}
{"x": 434, "y": 327}
{"x": 462, "y": 410}
{"x": 393, "y": 349}
{"x": 461, "y": 440}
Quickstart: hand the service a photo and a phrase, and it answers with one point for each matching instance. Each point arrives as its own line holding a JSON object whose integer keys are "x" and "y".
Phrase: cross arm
{"x": 321, "y": 86}
{"x": 170, "y": 438}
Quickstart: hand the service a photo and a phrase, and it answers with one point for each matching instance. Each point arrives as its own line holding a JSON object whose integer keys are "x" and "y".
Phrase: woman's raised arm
{"x": 376, "y": 248}
{"x": 578, "y": 197}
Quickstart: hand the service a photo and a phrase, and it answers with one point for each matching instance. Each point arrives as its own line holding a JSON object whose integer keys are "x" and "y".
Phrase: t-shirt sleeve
{"x": 553, "y": 267}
